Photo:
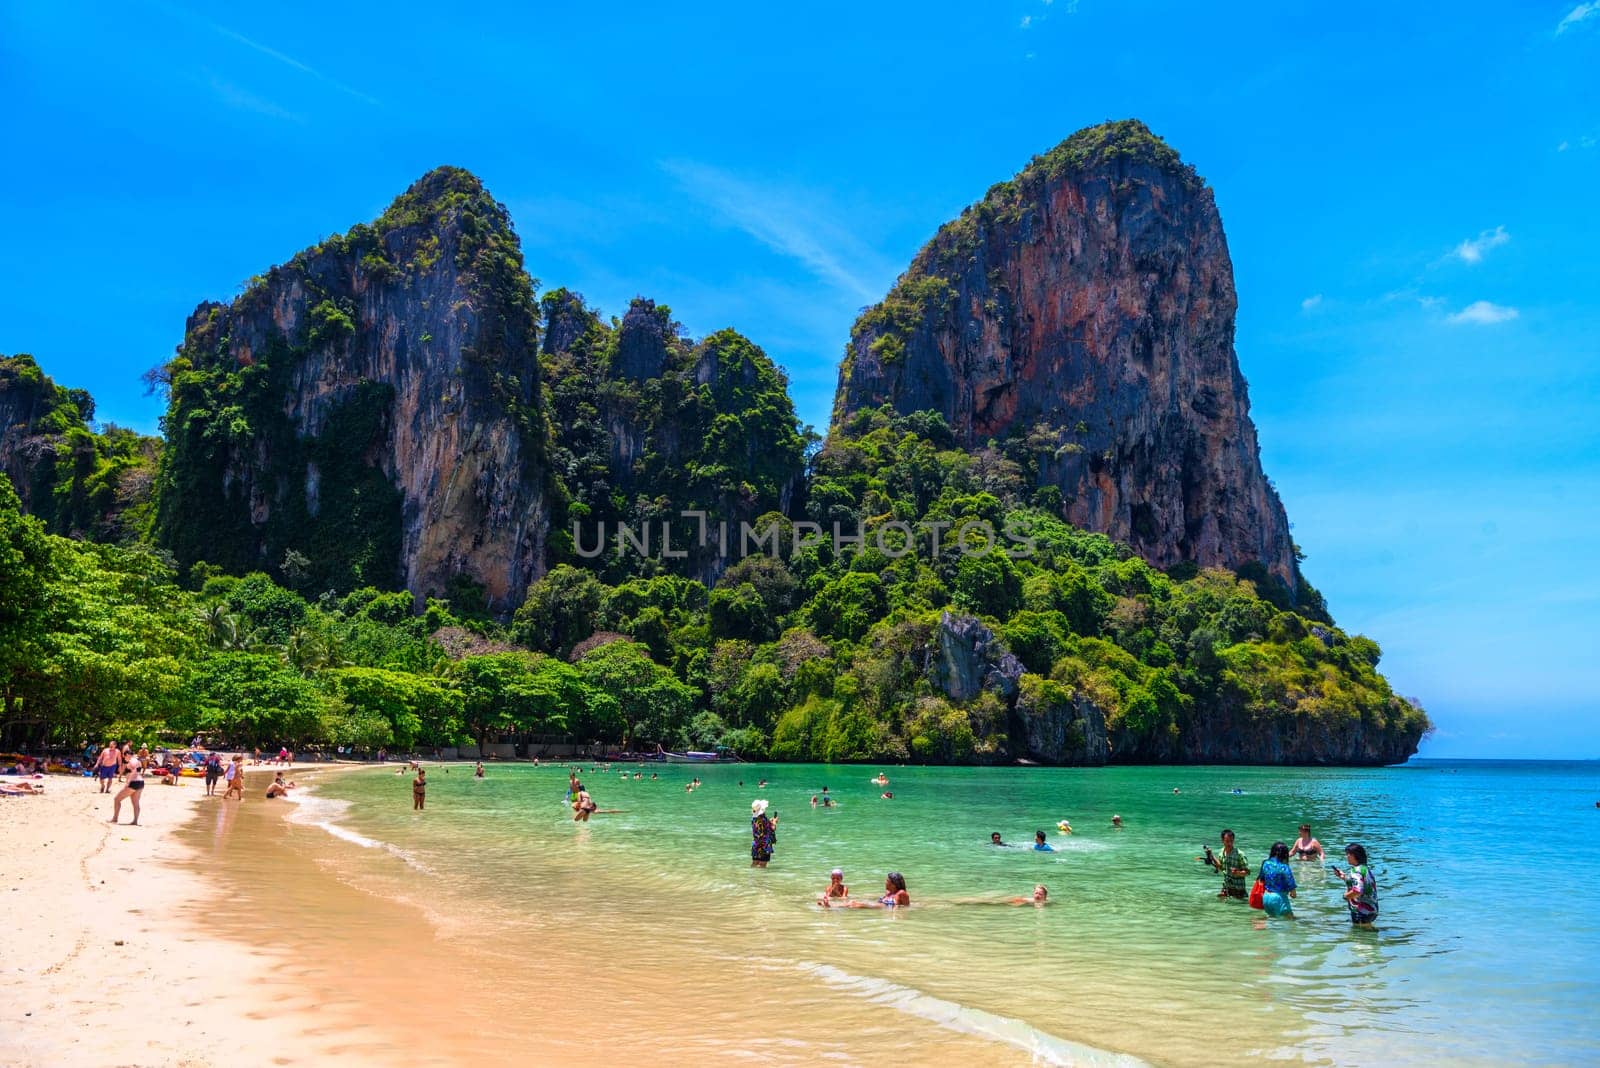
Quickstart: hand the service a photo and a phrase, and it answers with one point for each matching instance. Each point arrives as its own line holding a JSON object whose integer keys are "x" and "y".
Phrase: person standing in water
{"x": 1231, "y": 866}
{"x": 478, "y": 772}
{"x": 235, "y": 776}
{"x": 1306, "y": 847}
{"x": 419, "y": 790}
{"x": 1040, "y": 845}
{"x": 1278, "y": 880}
{"x": 132, "y": 791}
{"x": 1361, "y": 888}
{"x": 763, "y": 834}
{"x": 213, "y": 773}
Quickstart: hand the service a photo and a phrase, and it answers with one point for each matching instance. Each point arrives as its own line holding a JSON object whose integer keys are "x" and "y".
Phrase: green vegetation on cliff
{"x": 79, "y": 480}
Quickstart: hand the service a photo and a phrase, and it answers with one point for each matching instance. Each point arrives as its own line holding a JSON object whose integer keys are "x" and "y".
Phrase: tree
{"x": 561, "y": 610}
{"x": 653, "y": 704}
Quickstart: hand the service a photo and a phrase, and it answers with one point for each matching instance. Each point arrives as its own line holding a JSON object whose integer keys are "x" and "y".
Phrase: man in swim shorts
{"x": 105, "y": 768}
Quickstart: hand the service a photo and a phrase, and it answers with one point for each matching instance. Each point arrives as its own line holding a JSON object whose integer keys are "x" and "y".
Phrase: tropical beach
{"x": 918, "y": 533}
{"x": 491, "y": 925}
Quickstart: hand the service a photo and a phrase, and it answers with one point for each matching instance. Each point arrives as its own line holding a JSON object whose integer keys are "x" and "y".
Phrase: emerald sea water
{"x": 1487, "y": 949}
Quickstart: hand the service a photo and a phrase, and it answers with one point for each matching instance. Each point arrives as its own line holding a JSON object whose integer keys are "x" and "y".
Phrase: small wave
{"x": 324, "y": 813}
{"x": 1044, "y": 1048}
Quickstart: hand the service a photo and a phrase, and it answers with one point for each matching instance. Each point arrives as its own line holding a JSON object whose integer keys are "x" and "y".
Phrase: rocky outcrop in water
{"x": 1087, "y": 306}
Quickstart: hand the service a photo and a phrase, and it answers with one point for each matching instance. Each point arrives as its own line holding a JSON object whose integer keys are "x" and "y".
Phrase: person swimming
{"x": 995, "y": 840}
{"x": 1040, "y": 845}
{"x": 1116, "y": 821}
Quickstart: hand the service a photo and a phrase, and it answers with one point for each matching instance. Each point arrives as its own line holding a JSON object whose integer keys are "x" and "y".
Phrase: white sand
{"x": 101, "y": 964}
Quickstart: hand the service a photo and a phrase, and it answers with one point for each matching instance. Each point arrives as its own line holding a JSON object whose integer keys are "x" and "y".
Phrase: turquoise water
{"x": 1487, "y": 949}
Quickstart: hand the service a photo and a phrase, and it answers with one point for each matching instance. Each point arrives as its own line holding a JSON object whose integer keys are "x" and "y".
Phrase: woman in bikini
{"x": 133, "y": 791}
{"x": 419, "y": 790}
{"x": 1306, "y": 847}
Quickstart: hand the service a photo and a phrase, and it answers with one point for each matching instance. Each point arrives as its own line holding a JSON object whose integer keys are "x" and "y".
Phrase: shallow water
{"x": 647, "y": 929}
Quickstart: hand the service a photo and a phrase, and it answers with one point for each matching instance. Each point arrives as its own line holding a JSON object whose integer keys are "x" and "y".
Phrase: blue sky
{"x": 1410, "y": 199}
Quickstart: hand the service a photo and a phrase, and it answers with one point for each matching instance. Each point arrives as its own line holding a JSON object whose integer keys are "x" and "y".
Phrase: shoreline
{"x": 108, "y": 956}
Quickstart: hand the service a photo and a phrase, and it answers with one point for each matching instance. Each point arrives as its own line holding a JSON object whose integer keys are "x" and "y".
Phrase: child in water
{"x": 836, "y": 888}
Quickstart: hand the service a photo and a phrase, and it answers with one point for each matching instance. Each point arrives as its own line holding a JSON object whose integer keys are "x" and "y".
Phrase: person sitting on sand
{"x": 279, "y": 788}
{"x": 419, "y": 790}
{"x": 1306, "y": 847}
{"x": 894, "y": 895}
{"x": 1040, "y": 845}
{"x": 836, "y": 888}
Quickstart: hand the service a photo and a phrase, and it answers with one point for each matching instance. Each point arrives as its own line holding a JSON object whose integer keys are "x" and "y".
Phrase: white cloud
{"x": 1482, "y": 313}
{"x": 1472, "y": 249}
{"x": 791, "y": 225}
{"x": 1581, "y": 13}
{"x": 1311, "y": 302}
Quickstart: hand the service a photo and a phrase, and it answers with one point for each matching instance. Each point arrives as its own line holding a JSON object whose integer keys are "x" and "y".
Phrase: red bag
{"x": 1257, "y": 892}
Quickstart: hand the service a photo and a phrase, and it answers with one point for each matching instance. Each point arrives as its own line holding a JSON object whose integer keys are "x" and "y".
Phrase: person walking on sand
{"x": 234, "y": 773}
{"x": 419, "y": 790}
{"x": 213, "y": 773}
{"x": 763, "y": 834}
{"x": 106, "y": 765}
{"x": 132, "y": 791}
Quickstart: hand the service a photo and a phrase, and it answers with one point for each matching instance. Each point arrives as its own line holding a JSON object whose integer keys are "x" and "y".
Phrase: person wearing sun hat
{"x": 763, "y": 834}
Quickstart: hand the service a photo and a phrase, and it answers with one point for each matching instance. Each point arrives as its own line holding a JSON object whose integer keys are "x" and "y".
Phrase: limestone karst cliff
{"x": 1087, "y": 308}
{"x": 371, "y": 407}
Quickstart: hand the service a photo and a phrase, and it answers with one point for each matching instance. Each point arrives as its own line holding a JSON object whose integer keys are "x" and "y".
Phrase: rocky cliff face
{"x": 27, "y": 399}
{"x": 373, "y": 406}
{"x": 1088, "y": 307}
